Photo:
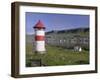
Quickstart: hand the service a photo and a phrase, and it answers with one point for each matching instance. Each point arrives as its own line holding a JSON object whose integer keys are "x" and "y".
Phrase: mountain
{"x": 76, "y": 30}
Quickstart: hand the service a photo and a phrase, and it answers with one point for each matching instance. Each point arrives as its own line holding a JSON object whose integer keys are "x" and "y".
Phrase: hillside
{"x": 70, "y": 32}
{"x": 77, "y": 30}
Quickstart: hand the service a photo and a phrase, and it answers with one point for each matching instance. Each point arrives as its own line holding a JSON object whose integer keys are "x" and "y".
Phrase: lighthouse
{"x": 39, "y": 37}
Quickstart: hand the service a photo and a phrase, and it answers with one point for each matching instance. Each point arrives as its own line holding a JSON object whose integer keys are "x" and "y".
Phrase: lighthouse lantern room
{"x": 39, "y": 37}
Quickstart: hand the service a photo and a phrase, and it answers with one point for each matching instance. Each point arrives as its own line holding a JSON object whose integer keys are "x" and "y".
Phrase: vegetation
{"x": 57, "y": 56}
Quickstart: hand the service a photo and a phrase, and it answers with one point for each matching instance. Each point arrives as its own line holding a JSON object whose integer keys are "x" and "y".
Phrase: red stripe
{"x": 39, "y": 38}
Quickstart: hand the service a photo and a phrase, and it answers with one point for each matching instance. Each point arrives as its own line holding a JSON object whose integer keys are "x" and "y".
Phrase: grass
{"x": 57, "y": 56}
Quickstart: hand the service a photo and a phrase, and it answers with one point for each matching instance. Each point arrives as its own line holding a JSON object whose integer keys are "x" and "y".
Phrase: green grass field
{"x": 57, "y": 56}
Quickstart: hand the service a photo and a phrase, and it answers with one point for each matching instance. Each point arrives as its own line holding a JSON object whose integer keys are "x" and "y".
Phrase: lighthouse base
{"x": 40, "y": 52}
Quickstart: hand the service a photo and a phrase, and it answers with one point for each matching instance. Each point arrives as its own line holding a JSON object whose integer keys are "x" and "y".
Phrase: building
{"x": 39, "y": 37}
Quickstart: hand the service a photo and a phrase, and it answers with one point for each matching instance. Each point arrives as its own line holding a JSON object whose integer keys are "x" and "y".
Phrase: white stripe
{"x": 40, "y": 45}
{"x": 40, "y": 32}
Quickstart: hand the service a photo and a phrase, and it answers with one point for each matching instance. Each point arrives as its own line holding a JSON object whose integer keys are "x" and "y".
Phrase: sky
{"x": 55, "y": 21}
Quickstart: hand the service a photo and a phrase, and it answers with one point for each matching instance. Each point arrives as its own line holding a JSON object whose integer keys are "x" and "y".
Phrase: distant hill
{"x": 77, "y": 30}
{"x": 29, "y": 38}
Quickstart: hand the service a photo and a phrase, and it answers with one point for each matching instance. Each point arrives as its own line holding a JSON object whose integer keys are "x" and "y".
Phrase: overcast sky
{"x": 55, "y": 21}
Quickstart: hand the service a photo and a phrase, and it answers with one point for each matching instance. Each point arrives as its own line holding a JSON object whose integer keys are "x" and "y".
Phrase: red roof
{"x": 39, "y": 25}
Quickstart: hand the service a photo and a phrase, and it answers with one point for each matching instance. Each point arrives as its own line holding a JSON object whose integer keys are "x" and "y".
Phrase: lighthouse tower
{"x": 39, "y": 37}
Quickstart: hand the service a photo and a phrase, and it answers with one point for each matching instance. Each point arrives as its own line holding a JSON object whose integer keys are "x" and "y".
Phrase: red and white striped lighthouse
{"x": 39, "y": 37}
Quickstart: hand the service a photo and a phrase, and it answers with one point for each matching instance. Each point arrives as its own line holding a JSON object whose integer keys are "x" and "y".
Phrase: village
{"x": 69, "y": 40}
